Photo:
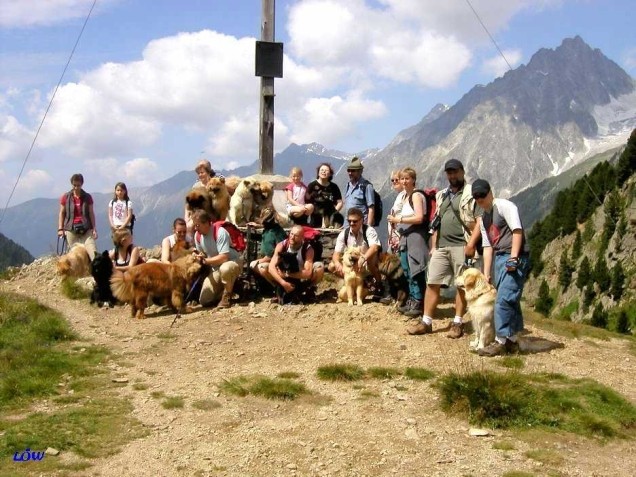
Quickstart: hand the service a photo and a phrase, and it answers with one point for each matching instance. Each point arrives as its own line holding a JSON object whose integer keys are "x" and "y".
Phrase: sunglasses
{"x": 353, "y": 221}
{"x": 351, "y": 171}
{"x": 480, "y": 195}
{"x": 395, "y": 180}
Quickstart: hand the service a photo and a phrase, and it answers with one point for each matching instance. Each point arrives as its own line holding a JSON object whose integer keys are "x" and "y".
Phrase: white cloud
{"x": 135, "y": 172}
{"x": 497, "y": 66}
{"x": 14, "y": 139}
{"x": 370, "y": 43}
{"x": 26, "y": 13}
{"x": 629, "y": 58}
{"x": 326, "y": 120}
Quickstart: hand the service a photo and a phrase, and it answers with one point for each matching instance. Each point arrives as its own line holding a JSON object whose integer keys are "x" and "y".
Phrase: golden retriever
{"x": 76, "y": 263}
{"x": 219, "y": 198}
{"x": 480, "y": 298}
{"x": 159, "y": 280}
{"x": 353, "y": 278}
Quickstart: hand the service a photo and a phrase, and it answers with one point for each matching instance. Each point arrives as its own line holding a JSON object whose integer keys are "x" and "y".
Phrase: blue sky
{"x": 155, "y": 85}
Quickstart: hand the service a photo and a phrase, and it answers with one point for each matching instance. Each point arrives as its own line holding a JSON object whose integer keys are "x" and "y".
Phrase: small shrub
{"x": 288, "y": 375}
{"x": 419, "y": 374}
{"x": 340, "y": 372}
{"x": 383, "y": 373}
{"x": 269, "y": 388}
{"x": 513, "y": 400}
{"x": 277, "y": 388}
{"x": 206, "y": 404}
{"x": 70, "y": 289}
{"x": 173, "y": 402}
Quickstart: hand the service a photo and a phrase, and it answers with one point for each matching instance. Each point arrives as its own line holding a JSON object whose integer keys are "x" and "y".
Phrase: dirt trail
{"x": 367, "y": 428}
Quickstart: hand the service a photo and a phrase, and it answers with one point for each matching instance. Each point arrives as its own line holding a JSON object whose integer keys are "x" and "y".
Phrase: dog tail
{"x": 122, "y": 286}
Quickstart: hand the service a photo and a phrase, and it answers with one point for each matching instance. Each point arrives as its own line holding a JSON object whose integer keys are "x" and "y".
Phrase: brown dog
{"x": 480, "y": 301}
{"x": 219, "y": 197}
{"x": 76, "y": 263}
{"x": 159, "y": 280}
{"x": 263, "y": 198}
{"x": 353, "y": 278}
{"x": 390, "y": 267}
{"x": 199, "y": 198}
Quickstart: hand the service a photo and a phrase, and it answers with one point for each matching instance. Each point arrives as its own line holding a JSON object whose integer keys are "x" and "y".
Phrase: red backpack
{"x": 430, "y": 202}
{"x": 237, "y": 240}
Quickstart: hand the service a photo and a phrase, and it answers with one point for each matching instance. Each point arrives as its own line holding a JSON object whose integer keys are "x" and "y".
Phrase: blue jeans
{"x": 509, "y": 285}
{"x": 416, "y": 284}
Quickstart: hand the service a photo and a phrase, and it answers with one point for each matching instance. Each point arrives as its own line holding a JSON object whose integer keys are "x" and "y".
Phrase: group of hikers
{"x": 466, "y": 226}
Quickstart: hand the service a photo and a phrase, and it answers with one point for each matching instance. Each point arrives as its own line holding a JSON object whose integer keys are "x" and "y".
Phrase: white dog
{"x": 480, "y": 298}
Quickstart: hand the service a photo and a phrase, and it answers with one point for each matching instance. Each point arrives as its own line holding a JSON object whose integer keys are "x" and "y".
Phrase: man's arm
{"x": 60, "y": 220}
{"x": 91, "y": 215}
{"x": 308, "y": 267}
{"x": 517, "y": 241}
{"x": 273, "y": 266}
{"x": 469, "y": 249}
{"x": 371, "y": 215}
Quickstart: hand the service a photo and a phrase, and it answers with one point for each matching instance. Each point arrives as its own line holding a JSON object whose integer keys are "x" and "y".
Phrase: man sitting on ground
{"x": 366, "y": 238}
{"x": 225, "y": 263}
{"x": 273, "y": 233}
{"x": 292, "y": 268}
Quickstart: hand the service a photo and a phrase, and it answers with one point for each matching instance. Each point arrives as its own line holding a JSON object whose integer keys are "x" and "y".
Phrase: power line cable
{"x": 37, "y": 133}
{"x": 494, "y": 42}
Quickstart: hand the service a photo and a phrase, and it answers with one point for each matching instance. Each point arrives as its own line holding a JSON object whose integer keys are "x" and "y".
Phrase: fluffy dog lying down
{"x": 353, "y": 278}
{"x": 390, "y": 267}
{"x": 169, "y": 281}
{"x": 76, "y": 263}
{"x": 480, "y": 299}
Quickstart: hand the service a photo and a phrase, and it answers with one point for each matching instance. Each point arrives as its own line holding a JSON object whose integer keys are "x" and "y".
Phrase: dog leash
{"x": 188, "y": 297}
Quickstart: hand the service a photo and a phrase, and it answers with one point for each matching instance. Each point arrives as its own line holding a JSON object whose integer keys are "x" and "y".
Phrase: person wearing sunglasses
{"x": 506, "y": 253}
{"x": 393, "y": 236}
{"x": 453, "y": 240}
{"x": 359, "y": 234}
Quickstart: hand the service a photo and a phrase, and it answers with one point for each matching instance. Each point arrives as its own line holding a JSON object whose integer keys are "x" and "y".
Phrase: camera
{"x": 435, "y": 223}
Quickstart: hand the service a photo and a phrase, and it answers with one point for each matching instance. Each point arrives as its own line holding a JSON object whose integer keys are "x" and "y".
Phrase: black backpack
{"x": 364, "y": 236}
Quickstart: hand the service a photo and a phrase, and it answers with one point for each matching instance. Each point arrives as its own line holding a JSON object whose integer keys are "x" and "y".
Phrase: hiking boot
{"x": 420, "y": 329}
{"x": 225, "y": 300}
{"x": 416, "y": 309}
{"x": 456, "y": 331}
{"x": 406, "y": 307}
{"x": 494, "y": 349}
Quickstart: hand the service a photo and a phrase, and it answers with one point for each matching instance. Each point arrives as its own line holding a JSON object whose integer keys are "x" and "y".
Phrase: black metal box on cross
{"x": 269, "y": 59}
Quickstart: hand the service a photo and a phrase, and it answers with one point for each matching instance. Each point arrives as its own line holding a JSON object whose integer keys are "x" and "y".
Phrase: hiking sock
{"x": 427, "y": 320}
{"x": 458, "y": 320}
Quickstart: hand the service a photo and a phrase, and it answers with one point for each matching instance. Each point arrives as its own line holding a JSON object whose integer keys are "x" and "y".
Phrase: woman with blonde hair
{"x": 204, "y": 173}
{"x": 414, "y": 251}
{"x": 125, "y": 254}
{"x": 393, "y": 240}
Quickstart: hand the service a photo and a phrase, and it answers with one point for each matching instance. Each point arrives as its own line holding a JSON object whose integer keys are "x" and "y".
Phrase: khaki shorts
{"x": 446, "y": 264}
